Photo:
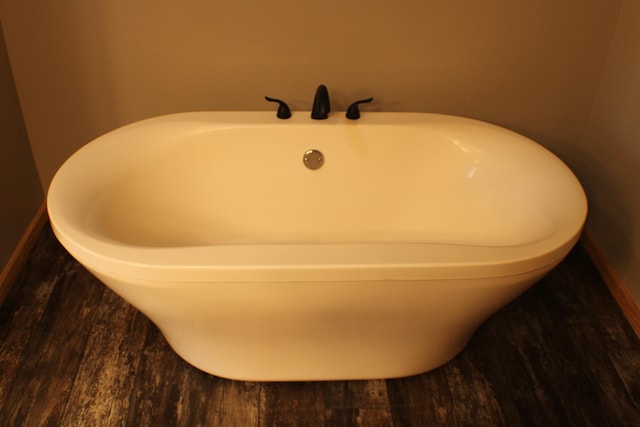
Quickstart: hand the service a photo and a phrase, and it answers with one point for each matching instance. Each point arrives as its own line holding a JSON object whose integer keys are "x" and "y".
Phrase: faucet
{"x": 284, "y": 112}
{"x": 321, "y": 104}
{"x": 353, "y": 112}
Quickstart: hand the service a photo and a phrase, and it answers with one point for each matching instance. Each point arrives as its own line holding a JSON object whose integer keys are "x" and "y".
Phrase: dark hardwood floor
{"x": 73, "y": 353}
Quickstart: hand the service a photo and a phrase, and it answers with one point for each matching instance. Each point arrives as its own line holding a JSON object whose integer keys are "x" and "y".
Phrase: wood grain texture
{"x": 15, "y": 262}
{"x": 617, "y": 287}
{"x": 74, "y": 353}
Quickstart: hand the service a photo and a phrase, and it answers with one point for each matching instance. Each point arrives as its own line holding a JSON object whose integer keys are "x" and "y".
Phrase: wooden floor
{"x": 73, "y": 353}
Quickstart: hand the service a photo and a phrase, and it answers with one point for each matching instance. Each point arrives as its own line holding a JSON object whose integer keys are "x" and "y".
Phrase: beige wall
{"x": 20, "y": 192}
{"x": 85, "y": 67}
{"x": 610, "y": 153}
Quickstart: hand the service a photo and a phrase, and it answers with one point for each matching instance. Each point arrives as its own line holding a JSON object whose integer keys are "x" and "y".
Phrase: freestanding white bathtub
{"x": 381, "y": 263}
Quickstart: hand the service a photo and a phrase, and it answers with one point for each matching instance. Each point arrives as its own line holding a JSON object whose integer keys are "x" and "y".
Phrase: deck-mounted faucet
{"x": 284, "y": 112}
{"x": 321, "y": 104}
{"x": 353, "y": 112}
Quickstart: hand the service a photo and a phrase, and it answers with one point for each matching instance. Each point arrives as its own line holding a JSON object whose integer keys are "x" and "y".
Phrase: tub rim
{"x": 312, "y": 262}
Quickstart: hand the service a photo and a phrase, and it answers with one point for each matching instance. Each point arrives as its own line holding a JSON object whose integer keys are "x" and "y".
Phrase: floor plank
{"x": 74, "y": 353}
{"x": 110, "y": 361}
{"x": 52, "y": 355}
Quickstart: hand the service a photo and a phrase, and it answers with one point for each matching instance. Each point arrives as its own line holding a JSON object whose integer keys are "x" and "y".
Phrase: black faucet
{"x": 321, "y": 104}
{"x": 353, "y": 112}
{"x": 284, "y": 112}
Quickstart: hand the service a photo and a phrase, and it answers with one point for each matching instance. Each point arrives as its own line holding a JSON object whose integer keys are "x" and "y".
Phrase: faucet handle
{"x": 353, "y": 112}
{"x": 283, "y": 109}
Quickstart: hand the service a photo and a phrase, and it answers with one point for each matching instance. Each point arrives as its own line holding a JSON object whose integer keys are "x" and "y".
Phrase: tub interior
{"x": 379, "y": 184}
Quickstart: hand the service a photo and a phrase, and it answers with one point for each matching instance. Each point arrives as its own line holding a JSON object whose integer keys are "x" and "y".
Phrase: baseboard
{"x": 616, "y": 285}
{"x": 19, "y": 255}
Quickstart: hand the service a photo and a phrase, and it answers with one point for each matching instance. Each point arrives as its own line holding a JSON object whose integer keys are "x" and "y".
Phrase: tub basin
{"x": 381, "y": 263}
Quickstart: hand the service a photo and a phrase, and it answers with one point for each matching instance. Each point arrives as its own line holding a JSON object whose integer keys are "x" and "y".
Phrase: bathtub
{"x": 381, "y": 263}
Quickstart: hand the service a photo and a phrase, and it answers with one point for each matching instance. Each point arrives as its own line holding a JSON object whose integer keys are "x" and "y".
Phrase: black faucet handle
{"x": 284, "y": 112}
{"x": 353, "y": 112}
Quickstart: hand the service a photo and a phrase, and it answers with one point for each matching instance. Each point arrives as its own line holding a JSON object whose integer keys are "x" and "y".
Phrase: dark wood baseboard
{"x": 616, "y": 285}
{"x": 19, "y": 255}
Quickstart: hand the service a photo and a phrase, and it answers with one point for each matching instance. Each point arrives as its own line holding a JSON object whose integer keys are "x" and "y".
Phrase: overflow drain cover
{"x": 313, "y": 159}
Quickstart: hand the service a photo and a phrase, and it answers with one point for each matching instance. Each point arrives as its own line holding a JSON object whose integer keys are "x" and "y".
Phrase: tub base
{"x": 318, "y": 331}
{"x": 349, "y": 363}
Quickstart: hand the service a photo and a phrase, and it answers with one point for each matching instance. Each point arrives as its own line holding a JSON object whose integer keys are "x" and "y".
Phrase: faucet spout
{"x": 321, "y": 104}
